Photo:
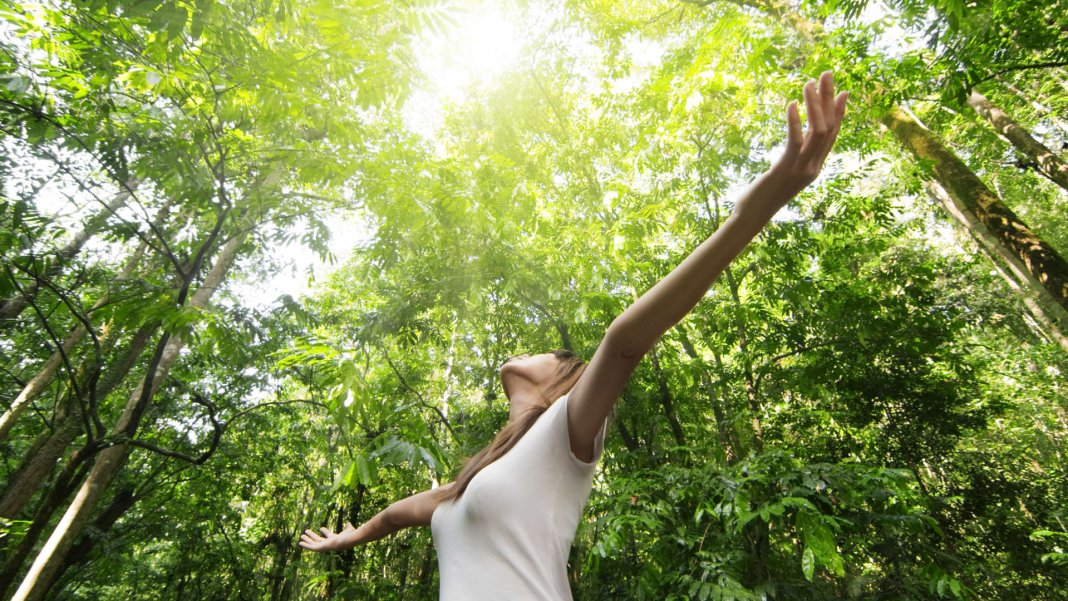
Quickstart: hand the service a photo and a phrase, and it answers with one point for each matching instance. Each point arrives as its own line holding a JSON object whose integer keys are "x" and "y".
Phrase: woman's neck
{"x": 524, "y": 398}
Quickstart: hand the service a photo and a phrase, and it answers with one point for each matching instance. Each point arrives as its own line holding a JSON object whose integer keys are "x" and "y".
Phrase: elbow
{"x": 625, "y": 341}
{"x": 391, "y": 519}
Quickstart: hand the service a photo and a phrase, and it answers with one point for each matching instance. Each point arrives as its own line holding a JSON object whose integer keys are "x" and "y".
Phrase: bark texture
{"x": 1039, "y": 259}
{"x": 1050, "y": 317}
{"x": 1048, "y": 162}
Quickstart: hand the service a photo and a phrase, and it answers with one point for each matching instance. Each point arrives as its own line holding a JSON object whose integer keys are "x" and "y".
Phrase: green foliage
{"x": 859, "y": 408}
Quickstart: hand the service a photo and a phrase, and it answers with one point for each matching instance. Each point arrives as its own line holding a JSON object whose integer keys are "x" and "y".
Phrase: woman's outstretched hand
{"x": 806, "y": 151}
{"x": 329, "y": 541}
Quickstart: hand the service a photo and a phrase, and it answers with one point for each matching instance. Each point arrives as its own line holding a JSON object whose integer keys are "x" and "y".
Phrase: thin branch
{"x": 42, "y": 116}
{"x": 273, "y": 403}
{"x": 86, "y": 323}
{"x": 61, "y": 164}
{"x": 1019, "y": 67}
{"x": 51, "y": 335}
{"x": 441, "y": 416}
{"x": 218, "y": 429}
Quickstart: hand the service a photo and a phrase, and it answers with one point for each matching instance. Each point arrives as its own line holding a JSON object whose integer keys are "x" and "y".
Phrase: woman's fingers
{"x": 827, "y": 98}
{"x": 817, "y": 126}
{"x": 807, "y": 149}
{"x": 840, "y": 106}
{"x": 838, "y": 111}
{"x": 314, "y": 541}
{"x": 795, "y": 138}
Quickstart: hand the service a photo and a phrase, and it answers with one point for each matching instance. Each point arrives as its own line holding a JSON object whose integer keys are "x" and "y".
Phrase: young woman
{"x": 504, "y": 528}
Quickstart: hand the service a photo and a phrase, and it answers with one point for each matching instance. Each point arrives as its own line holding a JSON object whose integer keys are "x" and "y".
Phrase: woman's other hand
{"x": 326, "y": 539}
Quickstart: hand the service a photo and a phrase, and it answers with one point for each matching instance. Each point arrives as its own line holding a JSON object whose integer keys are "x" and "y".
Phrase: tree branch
{"x": 1017, "y": 67}
{"x": 441, "y": 416}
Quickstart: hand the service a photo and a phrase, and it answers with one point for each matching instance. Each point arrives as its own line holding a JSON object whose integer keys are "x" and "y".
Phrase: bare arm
{"x": 634, "y": 332}
{"x": 415, "y": 510}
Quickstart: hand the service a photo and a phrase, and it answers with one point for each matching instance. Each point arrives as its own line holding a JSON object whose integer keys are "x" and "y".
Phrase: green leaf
{"x": 808, "y": 563}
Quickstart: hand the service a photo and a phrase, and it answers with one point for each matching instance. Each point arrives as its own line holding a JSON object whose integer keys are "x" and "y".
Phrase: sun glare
{"x": 480, "y": 43}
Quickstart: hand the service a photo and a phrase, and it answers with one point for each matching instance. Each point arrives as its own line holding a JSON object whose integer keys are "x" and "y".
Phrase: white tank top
{"x": 509, "y": 535}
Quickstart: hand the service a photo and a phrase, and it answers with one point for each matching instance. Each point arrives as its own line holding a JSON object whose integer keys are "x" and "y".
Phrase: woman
{"x": 503, "y": 529}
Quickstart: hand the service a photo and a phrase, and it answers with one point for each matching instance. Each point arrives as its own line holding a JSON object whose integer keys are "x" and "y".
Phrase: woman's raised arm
{"x": 634, "y": 332}
{"x": 415, "y": 510}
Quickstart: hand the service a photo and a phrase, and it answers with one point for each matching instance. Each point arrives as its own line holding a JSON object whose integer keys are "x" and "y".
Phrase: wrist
{"x": 769, "y": 193}
{"x": 343, "y": 541}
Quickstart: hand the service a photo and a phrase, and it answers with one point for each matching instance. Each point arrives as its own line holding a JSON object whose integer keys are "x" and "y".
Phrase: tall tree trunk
{"x": 282, "y": 577}
{"x": 1044, "y": 264}
{"x": 75, "y": 470}
{"x": 37, "y": 466}
{"x": 753, "y": 402}
{"x": 42, "y": 573}
{"x": 1050, "y": 317}
{"x": 282, "y": 544}
{"x": 1038, "y": 106}
{"x": 1048, "y": 162}
{"x": 751, "y": 395}
{"x": 123, "y": 500}
{"x": 12, "y": 307}
{"x": 624, "y": 433}
{"x": 38, "y": 382}
{"x": 69, "y": 421}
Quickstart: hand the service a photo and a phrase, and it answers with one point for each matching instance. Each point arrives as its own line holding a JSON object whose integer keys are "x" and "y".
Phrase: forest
{"x": 261, "y": 260}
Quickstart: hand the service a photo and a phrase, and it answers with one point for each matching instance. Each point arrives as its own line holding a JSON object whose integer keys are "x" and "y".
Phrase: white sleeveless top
{"x": 509, "y": 535}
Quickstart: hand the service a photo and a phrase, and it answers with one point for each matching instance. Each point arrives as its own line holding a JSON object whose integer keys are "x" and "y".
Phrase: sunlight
{"x": 479, "y": 44}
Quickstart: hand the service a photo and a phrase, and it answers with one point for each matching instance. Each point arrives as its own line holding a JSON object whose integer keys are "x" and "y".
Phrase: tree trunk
{"x": 34, "y": 450}
{"x": 628, "y": 438}
{"x": 37, "y": 383}
{"x": 1038, "y": 106}
{"x": 10, "y": 308}
{"x": 42, "y": 573}
{"x": 1039, "y": 259}
{"x": 79, "y": 553}
{"x": 1048, "y": 162}
{"x": 38, "y": 465}
{"x": 1051, "y": 317}
{"x": 64, "y": 485}
{"x": 751, "y": 396}
{"x": 713, "y": 209}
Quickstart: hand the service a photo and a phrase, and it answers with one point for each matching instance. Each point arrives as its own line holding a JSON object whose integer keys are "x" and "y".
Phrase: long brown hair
{"x": 563, "y": 379}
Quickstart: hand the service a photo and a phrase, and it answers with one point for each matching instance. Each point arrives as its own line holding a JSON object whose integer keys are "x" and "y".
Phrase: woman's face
{"x": 533, "y": 369}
